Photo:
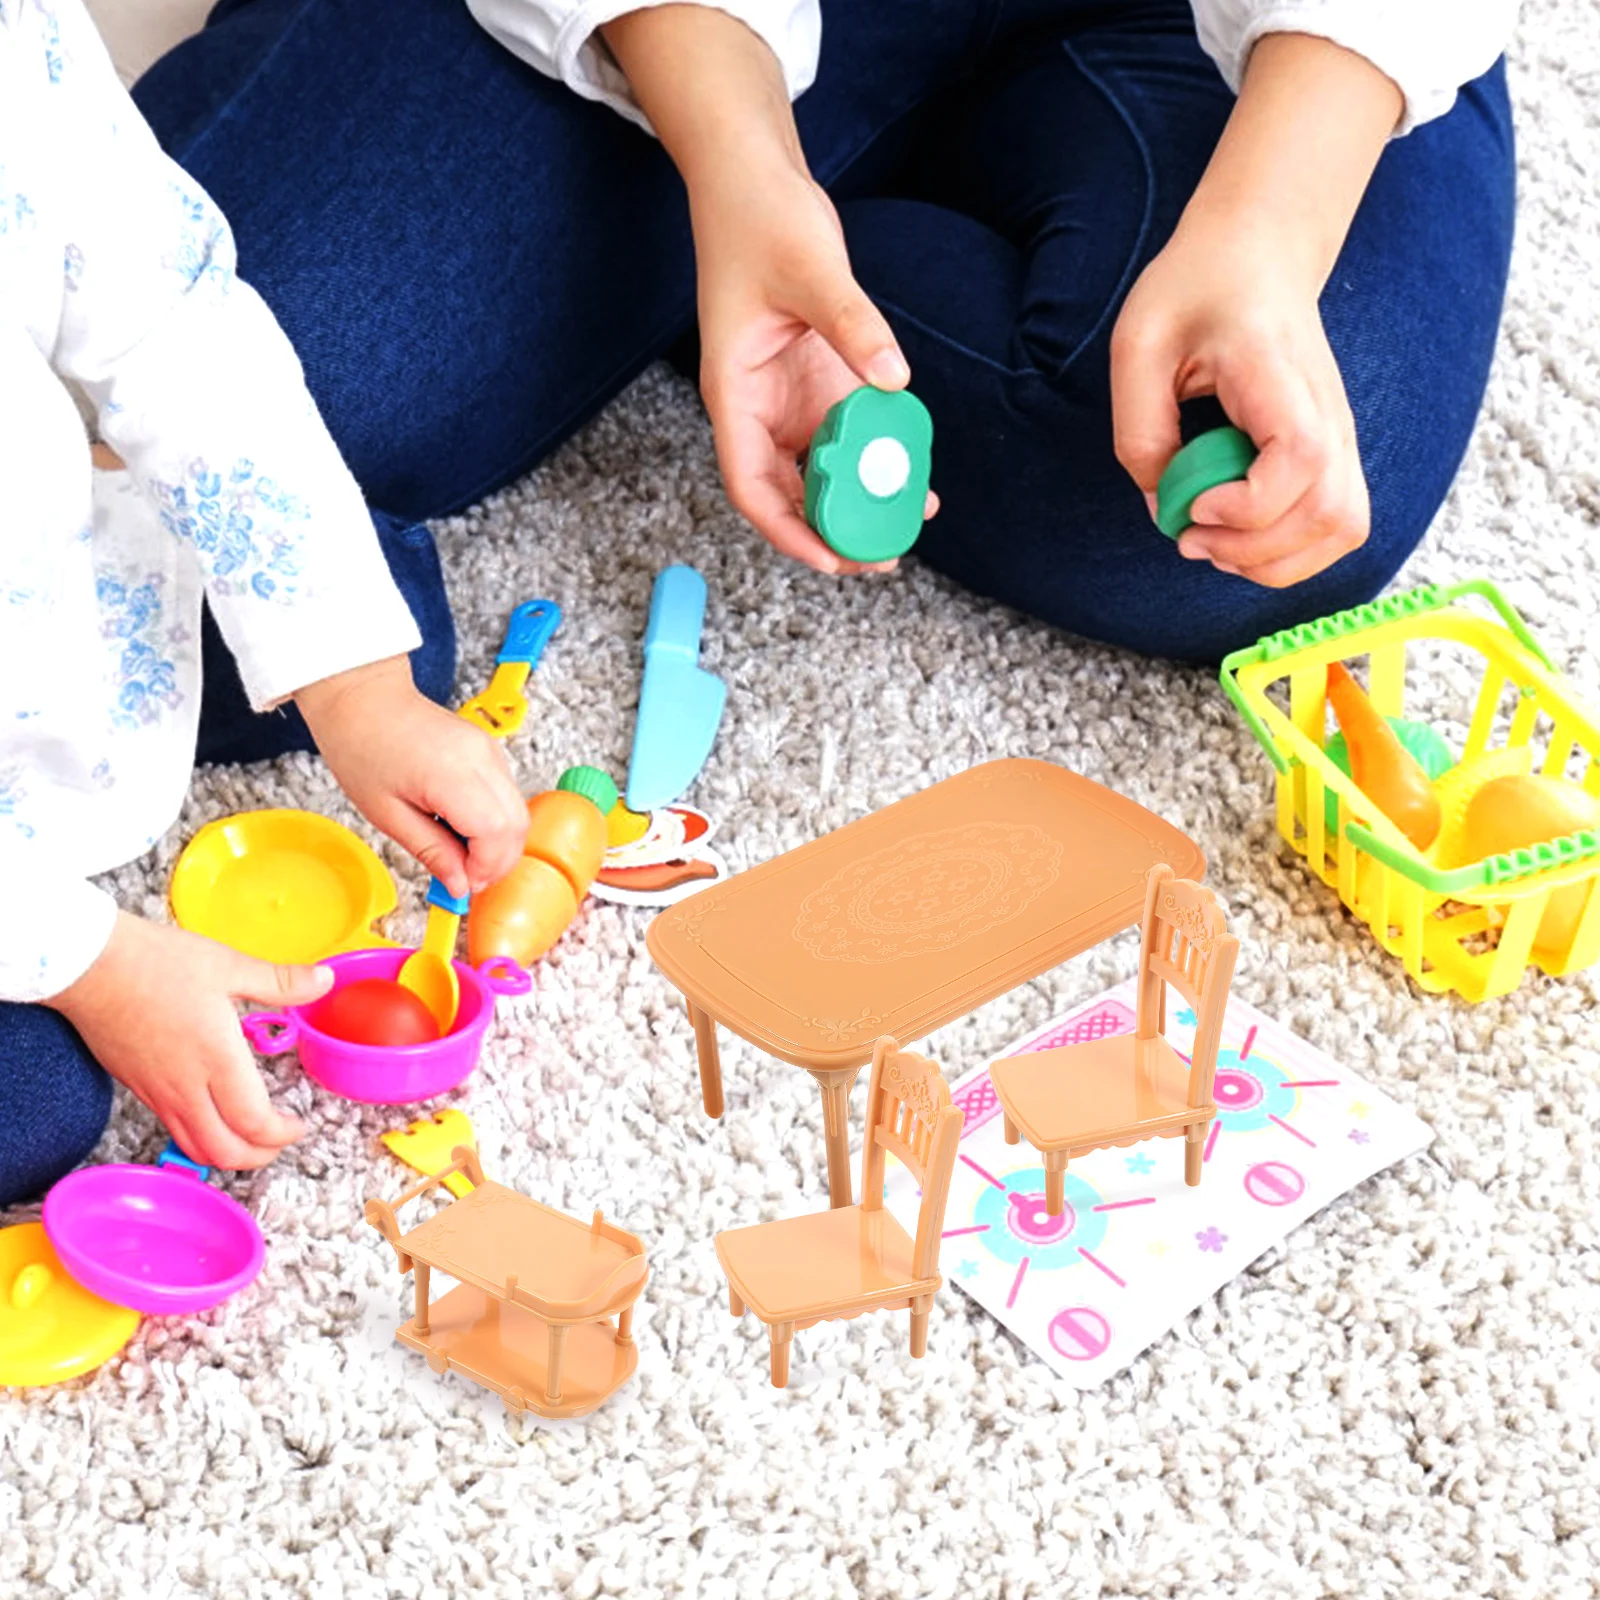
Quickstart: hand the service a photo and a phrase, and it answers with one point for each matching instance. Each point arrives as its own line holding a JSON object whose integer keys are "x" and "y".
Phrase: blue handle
{"x": 172, "y": 1156}
{"x": 677, "y": 610}
{"x": 529, "y": 631}
{"x": 440, "y": 896}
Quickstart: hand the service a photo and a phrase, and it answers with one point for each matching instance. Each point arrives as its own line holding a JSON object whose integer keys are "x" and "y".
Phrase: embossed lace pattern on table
{"x": 929, "y": 893}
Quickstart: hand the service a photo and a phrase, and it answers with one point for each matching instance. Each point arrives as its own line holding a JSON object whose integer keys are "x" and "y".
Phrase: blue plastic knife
{"x": 680, "y": 703}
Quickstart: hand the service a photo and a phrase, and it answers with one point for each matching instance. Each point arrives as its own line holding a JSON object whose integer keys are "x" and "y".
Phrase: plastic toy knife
{"x": 680, "y": 703}
{"x": 500, "y": 708}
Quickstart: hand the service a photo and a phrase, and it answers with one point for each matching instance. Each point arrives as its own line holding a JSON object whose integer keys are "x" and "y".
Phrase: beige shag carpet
{"x": 1402, "y": 1401}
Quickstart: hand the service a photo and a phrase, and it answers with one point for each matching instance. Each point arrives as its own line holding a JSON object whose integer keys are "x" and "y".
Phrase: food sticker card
{"x": 1135, "y": 1249}
{"x": 668, "y": 862}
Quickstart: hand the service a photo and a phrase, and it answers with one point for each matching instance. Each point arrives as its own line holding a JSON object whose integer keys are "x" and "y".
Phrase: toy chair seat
{"x": 1115, "y": 1091}
{"x": 839, "y": 1263}
{"x": 1132, "y": 1087}
{"x": 830, "y": 1264}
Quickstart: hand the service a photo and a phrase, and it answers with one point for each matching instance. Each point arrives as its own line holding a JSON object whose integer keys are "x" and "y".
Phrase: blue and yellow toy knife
{"x": 680, "y": 703}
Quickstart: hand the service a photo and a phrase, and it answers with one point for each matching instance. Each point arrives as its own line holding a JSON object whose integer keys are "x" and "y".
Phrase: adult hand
{"x": 1230, "y": 308}
{"x": 785, "y": 329}
{"x": 1197, "y": 324}
{"x": 785, "y": 332}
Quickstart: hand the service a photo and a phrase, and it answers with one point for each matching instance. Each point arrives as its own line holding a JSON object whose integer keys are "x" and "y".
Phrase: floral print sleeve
{"x": 117, "y": 271}
{"x": 199, "y": 391}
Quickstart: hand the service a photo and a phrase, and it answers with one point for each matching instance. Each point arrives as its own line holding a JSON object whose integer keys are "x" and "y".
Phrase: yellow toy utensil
{"x": 499, "y": 710}
{"x": 429, "y": 972}
{"x": 426, "y": 1144}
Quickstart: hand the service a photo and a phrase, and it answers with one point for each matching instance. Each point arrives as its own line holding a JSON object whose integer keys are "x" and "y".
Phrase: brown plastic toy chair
{"x": 840, "y": 1263}
{"x": 1132, "y": 1087}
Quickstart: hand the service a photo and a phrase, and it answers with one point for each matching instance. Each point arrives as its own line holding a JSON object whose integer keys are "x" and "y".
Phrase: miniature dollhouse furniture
{"x": 907, "y": 919}
{"x": 848, "y": 1260}
{"x": 1121, "y": 1090}
{"x": 530, "y": 1317}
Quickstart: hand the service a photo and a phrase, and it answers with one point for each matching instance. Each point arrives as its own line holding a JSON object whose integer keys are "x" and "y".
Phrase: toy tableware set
{"x": 115, "y": 1241}
{"x": 1470, "y": 863}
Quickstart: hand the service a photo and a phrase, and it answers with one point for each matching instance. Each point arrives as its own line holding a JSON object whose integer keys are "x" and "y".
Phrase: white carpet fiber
{"x": 1400, "y": 1401}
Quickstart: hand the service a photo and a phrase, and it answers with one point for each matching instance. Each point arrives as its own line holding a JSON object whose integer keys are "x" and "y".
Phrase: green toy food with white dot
{"x": 867, "y": 474}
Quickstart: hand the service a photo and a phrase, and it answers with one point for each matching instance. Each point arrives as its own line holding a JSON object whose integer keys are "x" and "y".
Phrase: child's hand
{"x": 1222, "y": 314}
{"x": 405, "y": 762}
{"x": 157, "y": 1012}
{"x": 785, "y": 332}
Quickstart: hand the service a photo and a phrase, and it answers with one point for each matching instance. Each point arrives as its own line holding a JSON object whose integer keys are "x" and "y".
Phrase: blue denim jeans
{"x": 471, "y": 261}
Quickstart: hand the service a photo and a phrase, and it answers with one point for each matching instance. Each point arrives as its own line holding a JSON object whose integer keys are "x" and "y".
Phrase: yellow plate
{"x": 51, "y": 1327}
{"x": 282, "y": 886}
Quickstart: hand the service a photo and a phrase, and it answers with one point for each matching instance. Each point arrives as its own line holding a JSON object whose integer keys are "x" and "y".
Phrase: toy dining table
{"x": 907, "y": 919}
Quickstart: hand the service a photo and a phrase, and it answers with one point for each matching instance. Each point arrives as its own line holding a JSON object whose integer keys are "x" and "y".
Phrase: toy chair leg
{"x": 552, "y": 1371}
{"x": 919, "y": 1325}
{"x": 735, "y": 1304}
{"x": 1055, "y": 1171}
{"x": 705, "y": 1039}
{"x": 422, "y": 1299}
{"x": 1194, "y": 1153}
{"x": 1013, "y": 1132}
{"x": 625, "y": 1327}
{"x": 782, "y": 1336}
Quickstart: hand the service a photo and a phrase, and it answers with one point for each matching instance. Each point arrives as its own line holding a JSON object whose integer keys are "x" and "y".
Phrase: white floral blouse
{"x": 117, "y": 272}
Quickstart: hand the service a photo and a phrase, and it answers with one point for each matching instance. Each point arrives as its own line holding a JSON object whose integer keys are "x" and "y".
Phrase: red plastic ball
{"x": 375, "y": 1011}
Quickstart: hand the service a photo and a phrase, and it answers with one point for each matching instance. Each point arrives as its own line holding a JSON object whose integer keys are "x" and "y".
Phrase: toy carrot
{"x": 1383, "y": 769}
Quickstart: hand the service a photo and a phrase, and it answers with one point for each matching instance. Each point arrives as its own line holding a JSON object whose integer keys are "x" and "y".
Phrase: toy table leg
{"x": 705, "y": 1038}
{"x": 421, "y": 1270}
{"x": 836, "y": 1083}
{"x": 625, "y": 1326}
{"x": 552, "y": 1376}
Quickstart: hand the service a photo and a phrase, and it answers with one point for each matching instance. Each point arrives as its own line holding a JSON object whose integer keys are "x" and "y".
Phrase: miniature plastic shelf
{"x": 504, "y": 1348}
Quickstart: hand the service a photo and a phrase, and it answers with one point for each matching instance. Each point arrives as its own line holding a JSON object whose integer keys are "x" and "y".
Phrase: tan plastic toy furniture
{"x": 1132, "y": 1087}
{"x": 844, "y": 1261}
{"x": 907, "y": 919}
{"x": 530, "y": 1316}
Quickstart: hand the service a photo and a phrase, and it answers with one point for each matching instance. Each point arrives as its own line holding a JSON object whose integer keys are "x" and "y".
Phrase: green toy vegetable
{"x": 867, "y": 474}
{"x": 1221, "y": 456}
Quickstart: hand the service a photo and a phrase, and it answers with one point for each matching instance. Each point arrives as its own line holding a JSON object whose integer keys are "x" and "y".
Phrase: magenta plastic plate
{"x": 154, "y": 1239}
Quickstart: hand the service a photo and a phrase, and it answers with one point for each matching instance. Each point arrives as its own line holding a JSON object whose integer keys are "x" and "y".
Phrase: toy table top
{"x": 917, "y": 914}
{"x": 518, "y": 1250}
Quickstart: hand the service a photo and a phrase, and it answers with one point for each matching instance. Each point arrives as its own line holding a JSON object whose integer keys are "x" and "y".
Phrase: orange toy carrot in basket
{"x": 1383, "y": 769}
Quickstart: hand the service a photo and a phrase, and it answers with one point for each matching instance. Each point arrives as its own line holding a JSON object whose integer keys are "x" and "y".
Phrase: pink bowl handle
{"x": 273, "y": 1033}
{"x": 503, "y": 976}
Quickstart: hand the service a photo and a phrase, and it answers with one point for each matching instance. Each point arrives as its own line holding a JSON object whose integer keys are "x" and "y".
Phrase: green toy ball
{"x": 1221, "y": 456}
{"x": 1424, "y": 742}
{"x": 867, "y": 474}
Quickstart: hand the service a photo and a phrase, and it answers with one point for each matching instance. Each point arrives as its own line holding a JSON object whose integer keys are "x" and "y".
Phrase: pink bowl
{"x": 152, "y": 1239}
{"x": 388, "y": 1075}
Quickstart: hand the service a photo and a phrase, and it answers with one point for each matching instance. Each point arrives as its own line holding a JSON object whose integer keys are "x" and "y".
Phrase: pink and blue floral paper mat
{"x": 1135, "y": 1249}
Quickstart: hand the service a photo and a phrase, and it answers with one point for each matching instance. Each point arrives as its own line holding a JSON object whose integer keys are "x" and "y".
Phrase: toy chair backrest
{"x": 1187, "y": 944}
{"x": 909, "y": 1114}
